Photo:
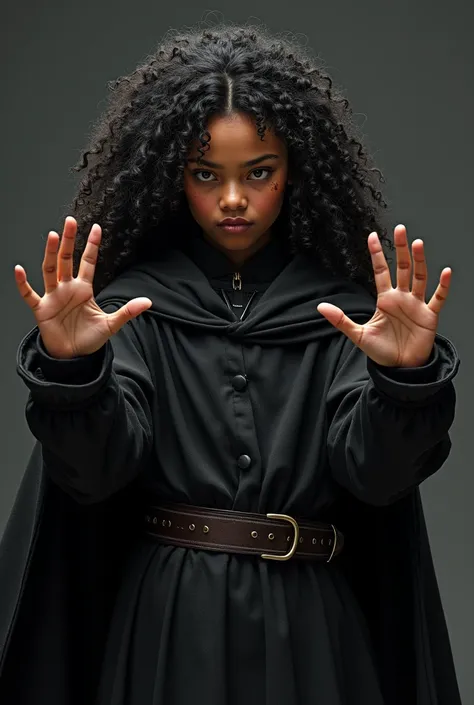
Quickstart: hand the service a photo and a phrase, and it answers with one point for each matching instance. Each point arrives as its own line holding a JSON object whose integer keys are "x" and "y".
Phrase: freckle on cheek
{"x": 274, "y": 186}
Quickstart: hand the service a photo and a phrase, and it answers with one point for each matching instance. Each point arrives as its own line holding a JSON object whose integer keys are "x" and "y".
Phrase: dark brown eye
{"x": 196, "y": 173}
{"x": 264, "y": 169}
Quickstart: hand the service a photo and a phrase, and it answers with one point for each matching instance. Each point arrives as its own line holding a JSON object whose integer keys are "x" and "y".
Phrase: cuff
{"x": 61, "y": 382}
{"x": 417, "y": 384}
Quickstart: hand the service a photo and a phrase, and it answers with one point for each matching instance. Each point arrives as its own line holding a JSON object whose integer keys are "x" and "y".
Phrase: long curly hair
{"x": 134, "y": 164}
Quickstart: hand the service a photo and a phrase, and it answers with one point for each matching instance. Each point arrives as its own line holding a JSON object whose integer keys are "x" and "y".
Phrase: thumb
{"x": 339, "y": 320}
{"x": 130, "y": 310}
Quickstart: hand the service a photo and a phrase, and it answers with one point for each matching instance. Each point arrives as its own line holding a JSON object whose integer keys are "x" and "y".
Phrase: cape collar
{"x": 286, "y": 313}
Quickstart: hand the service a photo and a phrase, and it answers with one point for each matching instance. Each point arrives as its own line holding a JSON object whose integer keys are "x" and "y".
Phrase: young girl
{"x": 234, "y": 407}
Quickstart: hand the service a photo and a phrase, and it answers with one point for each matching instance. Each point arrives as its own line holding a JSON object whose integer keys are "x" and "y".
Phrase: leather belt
{"x": 276, "y": 537}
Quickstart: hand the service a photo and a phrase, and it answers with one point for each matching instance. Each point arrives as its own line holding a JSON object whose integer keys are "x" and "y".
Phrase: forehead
{"x": 234, "y": 138}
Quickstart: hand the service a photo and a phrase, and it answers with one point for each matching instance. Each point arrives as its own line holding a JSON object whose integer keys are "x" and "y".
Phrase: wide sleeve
{"x": 388, "y": 428}
{"x": 91, "y": 414}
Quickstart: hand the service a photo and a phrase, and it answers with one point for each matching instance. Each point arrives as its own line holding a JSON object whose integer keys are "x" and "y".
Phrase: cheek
{"x": 199, "y": 204}
{"x": 270, "y": 198}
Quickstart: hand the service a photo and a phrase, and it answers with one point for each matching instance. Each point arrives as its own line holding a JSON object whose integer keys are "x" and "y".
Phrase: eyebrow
{"x": 252, "y": 162}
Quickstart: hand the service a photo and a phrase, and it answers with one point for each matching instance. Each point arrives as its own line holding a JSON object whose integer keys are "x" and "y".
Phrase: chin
{"x": 234, "y": 244}
{"x": 239, "y": 241}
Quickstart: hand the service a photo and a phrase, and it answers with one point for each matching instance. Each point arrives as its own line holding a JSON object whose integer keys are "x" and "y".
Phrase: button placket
{"x": 247, "y": 458}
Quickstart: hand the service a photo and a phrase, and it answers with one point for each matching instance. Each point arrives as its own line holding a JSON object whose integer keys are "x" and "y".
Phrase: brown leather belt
{"x": 276, "y": 537}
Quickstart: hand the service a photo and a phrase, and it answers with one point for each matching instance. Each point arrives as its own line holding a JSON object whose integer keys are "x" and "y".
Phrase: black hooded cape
{"x": 61, "y": 560}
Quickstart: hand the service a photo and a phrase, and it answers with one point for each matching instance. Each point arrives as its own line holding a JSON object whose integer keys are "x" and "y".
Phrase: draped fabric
{"x": 154, "y": 415}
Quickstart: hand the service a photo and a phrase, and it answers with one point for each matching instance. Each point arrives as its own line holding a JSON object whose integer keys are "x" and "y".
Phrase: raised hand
{"x": 402, "y": 330}
{"x": 70, "y": 321}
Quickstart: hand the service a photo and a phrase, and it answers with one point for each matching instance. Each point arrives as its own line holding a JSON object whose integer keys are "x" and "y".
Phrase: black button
{"x": 244, "y": 461}
{"x": 239, "y": 383}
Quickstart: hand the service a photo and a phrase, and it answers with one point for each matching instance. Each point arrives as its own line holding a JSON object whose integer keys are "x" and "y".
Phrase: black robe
{"x": 156, "y": 414}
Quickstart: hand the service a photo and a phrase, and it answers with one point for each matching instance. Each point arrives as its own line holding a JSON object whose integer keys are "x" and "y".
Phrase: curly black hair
{"x": 133, "y": 182}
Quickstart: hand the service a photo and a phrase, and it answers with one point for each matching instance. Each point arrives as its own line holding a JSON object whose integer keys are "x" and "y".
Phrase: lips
{"x": 235, "y": 221}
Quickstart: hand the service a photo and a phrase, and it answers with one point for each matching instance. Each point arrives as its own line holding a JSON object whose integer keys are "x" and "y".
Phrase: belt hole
{"x": 163, "y": 523}
{"x": 271, "y": 536}
{"x": 205, "y": 529}
{"x": 288, "y": 538}
{"x": 254, "y": 534}
{"x": 315, "y": 541}
{"x": 301, "y": 539}
{"x": 192, "y": 527}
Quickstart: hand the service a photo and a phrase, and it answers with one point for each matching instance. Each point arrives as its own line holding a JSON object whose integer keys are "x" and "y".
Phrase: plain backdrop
{"x": 406, "y": 67}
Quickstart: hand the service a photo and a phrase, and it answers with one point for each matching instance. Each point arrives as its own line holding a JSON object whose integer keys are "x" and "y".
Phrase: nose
{"x": 233, "y": 197}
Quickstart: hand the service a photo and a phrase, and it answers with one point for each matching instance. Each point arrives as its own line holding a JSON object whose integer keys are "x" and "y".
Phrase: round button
{"x": 244, "y": 461}
{"x": 239, "y": 382}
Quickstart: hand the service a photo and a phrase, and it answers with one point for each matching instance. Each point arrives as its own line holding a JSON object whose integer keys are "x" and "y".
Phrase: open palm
{"x": 402, "y": 330}
{"x": 70, "y": 321}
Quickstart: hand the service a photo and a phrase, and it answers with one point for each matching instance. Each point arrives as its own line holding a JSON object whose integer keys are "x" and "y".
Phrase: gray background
{"x": 407, "y": 68}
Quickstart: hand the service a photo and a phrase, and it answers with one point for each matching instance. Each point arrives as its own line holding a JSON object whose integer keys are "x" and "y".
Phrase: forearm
{"x": 391, "y": 430}
{"x": 92, "y": 415}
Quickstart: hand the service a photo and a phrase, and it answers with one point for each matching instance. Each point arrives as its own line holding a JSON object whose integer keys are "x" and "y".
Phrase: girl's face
{"x": 241, "y": 176}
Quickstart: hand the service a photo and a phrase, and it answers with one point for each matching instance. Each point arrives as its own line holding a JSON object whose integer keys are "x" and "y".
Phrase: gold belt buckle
{"x": 291, "y": 552}
{"x": 294, "y": 524}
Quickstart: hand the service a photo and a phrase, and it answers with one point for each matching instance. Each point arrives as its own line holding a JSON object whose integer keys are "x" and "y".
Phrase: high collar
{"x": 260, "y": 268}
